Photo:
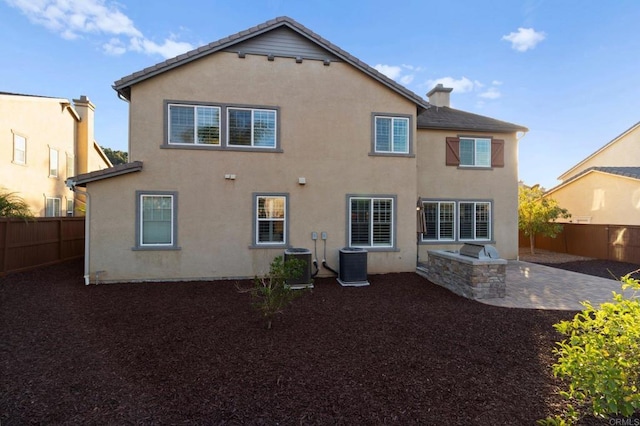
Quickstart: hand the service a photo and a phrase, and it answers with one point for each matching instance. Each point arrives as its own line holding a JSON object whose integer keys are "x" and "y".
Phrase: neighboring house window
{"x": 251, "y": 127}
{"x": 52, "y": 207}
{"x": 53, "y": 162}
{"x": 270, "y": 219}
{"x": 440, "y": 218}
{"x": 457, "y": 221}
{"x": 156, "y": 220}
{"x": 475, "y": 220}
{"x": 19, "y": 149}
{"x": 190, "y": 124}
{"x": 371, "y": 222}
{"x": 70, "y": 166}
{"x": 391, "y": 135}
{"x": 474, "y": 152}
{"x": 69, "y": 207}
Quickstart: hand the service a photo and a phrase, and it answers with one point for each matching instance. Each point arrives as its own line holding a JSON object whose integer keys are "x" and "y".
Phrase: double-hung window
{"x": 70, "y": 165}
{"x": 270, "y": 219}
{"x": 251, "y": 127}
{"x": 19, "y": 149}
{"x": 456, "y": 221}
{"x": 371, "y": 221}
{"x": 52, "y": 207}
{"x": 156, "y": 220}
{"x": 439, "y": 217}
{"x": 475, "y": 152}
{"x": 53, "y": 162}
{"x": 391, "y": 135}
{"x": 194, "y": 124}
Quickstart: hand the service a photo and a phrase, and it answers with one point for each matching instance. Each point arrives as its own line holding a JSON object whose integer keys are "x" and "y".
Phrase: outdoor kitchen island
{"x": 475, "y": 271}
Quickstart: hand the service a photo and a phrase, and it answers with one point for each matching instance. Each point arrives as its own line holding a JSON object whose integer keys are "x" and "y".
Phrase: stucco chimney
{"x": 85, "y": 134}
{"x": 439, "y": 95}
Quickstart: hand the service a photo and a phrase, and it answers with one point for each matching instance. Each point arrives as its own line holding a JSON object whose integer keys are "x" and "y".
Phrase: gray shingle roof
{"x": 445, "y": 118}
{"x": 632, "y": 172}
{"x": 123, "y": 86}
{"x": 120, "y": 169}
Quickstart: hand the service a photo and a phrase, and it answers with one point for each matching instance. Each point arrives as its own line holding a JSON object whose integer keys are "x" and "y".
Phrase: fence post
{"x": 6, "y": 248}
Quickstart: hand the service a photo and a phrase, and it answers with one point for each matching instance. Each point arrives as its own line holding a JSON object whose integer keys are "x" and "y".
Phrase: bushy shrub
{"x": 600, "y": 358}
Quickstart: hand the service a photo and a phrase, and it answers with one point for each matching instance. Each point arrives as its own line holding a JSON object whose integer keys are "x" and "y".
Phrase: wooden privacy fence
{"x": 38, "y": 242}
{"x": 610, "y": 242}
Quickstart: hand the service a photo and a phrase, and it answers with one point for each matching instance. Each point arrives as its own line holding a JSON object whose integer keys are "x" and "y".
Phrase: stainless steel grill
{"x": 479, "y": 251}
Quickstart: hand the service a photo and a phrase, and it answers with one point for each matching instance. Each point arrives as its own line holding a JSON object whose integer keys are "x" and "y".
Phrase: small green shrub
{"x": 600, "y": 358}
{"x": 270, "y": 293}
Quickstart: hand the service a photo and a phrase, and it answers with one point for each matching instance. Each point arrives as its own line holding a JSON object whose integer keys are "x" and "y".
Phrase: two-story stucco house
{"x": 604, "y": 188}
{"x": 43, "y": 141}
{"x": 275, "y": 137}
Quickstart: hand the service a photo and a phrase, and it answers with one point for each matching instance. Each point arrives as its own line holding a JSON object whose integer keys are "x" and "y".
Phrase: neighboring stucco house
{"x": 272, "y": 136}
{"x": 604, "y": 188}
{"x": 43, "y": 141}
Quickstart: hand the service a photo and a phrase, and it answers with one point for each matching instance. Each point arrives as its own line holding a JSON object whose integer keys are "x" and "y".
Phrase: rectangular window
{"x": 475, "y": 152}
{"x": 251, "y": 127}
{"x": 189, "y": 124}
{"x": 70, "y": 166}
{"x": 19, "y": 149}
{"x": 461, "y": 220}
{"x": 270, "y": 219}
{"x": 69, "y": 207}
{"x": 475, "y": 220}
{"x": 156, "y": 214}
{"x": 371, "y": 222}
{"x": 53, "y": 162}
{"x": 439, "y": 221}
{"x": 52, "y": 208}
{"x": 391, "y": 135}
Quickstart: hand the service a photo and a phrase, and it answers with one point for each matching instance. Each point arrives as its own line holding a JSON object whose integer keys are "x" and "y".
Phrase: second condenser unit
{"x": 353, "y": 267}
{"x": 303, "y": 254}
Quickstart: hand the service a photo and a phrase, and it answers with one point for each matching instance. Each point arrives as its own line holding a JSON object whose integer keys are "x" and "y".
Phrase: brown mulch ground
{"x": 401, "y": 351}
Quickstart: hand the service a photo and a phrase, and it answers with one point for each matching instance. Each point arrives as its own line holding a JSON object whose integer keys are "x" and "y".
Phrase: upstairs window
{"x": 251, "y": 127}
{"x": 53, "y": 162}
{"x": 391, "y": 135}
{"x": 474, "y": 152}
{"x": 19, "y": 149}
{"x": 70, "y": 165}
{"x": 191, "y": 124}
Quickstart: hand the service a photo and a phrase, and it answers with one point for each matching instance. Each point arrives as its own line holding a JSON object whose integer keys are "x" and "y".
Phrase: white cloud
{"x": 496, "y": 83}
{"x": 524, "y": 39}
{"x": 403, "y": 74}
{"x": 491, "y": 93}
{"x": 72, "y": 19}
{"x": 407, "y": 79}
{"x": 391, "y": 71}
{"x": 461, "y": 85}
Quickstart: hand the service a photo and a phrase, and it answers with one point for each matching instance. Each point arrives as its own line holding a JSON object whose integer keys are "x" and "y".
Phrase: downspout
{"x": 87, "y": 220}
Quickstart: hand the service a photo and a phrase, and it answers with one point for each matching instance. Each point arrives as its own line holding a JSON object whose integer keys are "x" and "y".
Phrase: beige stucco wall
{"x": 601, "y": 198}
{"x": 325, "y": 116}
{"x": 438, "y": 181}
{"x": 44, "y": 123}
{"x": 623, "y": 152}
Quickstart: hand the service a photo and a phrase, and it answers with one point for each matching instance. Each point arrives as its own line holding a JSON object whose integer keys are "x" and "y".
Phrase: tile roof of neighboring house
{"x": 123, "y": 85}
{"x": 446, "y": 118}
{"x": 630, "y": 172}
{"x": 120, "y": 169}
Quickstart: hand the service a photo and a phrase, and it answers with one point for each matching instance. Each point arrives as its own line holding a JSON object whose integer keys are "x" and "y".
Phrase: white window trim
{"x": 57, "y": 162}
{"x": 17, "y": 136}
{"x": 371, "y": 199}
{"x": 139, "y": 221}
{"x": 57, "y": 211}
{"x": 391, "y": 146}
{"x": 195, "y": 124}
{"x": 455, "y": 221}
{"x": 475, "y": 152}
{"x": 257, "y": 220}
{"x": 253, "y": 111}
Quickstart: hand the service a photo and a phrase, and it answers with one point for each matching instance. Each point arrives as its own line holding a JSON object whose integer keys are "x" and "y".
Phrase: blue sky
{"x": 568, "y": 70}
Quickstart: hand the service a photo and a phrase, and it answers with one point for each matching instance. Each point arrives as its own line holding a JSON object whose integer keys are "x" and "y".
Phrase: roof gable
{"x": 625, "y": 172}
{"x": 282, "y": 35}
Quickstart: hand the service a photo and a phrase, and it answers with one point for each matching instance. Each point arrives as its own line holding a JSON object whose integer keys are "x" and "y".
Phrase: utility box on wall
{"x": 353, "y": 267}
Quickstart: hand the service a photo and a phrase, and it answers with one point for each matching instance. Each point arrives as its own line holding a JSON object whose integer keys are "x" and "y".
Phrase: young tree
{"x": 115, "y": 156}
{"x": 537, "y": 214}
{"x": 11, "y": 205}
